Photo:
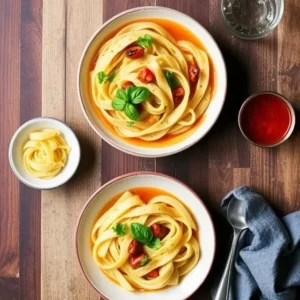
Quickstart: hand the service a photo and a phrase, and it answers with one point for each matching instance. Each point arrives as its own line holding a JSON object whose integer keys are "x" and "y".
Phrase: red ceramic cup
{"x": 266, "y": 119}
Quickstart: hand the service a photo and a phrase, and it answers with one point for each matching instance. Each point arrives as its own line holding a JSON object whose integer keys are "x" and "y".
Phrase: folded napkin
{"x": 268, "y": 259}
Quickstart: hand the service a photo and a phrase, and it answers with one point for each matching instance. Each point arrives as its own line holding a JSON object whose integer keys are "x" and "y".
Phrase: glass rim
{"x": 257, "y": 35}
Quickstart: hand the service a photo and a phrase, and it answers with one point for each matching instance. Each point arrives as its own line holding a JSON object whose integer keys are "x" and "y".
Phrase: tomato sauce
{"x": 265, "y": 119}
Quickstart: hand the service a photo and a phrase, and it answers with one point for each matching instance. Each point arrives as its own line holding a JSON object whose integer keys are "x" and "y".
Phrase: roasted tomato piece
{"x": 193, "y": 72}
{"x": 135, "y": 248}
{"x": 146, "y": 76}
{"x": 159, "y": 231}
{"x": 178, "y": 94}
{"x": 126, "y": 84}
{"x": 135, "y": 260}
{"x": 153, "y": 274}
{"x": 134, "y": 52}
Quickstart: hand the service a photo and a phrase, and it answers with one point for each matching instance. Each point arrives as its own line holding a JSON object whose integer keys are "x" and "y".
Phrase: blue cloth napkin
{"x": 268, "y": 260}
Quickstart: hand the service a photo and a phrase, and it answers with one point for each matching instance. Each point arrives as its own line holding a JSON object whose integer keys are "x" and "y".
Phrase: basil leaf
{"x": 131, "y": 112}
{"x": 120, "y": 229}
{"x": 154, "y": 243}
{"x": 130, "y": 123}
{"x": 141, "y": 233}
{"x": 145, "y": 261}
{"x": 139, "y": 95}
{"x": 112, "y": 76}
{"x": 118, "y": 104}
{"x": 102, "y": 77}
{"x": 122, "y": 95}
{"x": 130, "y": 90}
{"x": 145, "y": 41}
{"x": 172, "y": 81}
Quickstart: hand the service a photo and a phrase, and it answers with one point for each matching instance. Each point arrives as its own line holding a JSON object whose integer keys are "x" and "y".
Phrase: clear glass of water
{"x": 252, "y": 19}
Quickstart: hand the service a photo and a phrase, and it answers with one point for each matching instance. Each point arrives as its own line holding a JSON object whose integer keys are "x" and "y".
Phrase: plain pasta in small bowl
{"x": 44, "y": 153}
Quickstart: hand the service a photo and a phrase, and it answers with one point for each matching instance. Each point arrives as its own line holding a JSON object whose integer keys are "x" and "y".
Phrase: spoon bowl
{"x": 236, "y": 217}
{"x": 236, "y": 214}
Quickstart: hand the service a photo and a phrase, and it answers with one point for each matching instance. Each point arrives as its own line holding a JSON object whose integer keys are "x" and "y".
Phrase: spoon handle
{"x": 224, "y": 285}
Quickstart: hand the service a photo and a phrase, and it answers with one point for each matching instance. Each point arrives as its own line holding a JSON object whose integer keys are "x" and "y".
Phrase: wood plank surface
{"x": 9, "y": 122}
{"x": 30, "y": 107}
{"x": 287, "y": 178}
{"x": 41, "y": 43}
{"x": 66, "y": 28}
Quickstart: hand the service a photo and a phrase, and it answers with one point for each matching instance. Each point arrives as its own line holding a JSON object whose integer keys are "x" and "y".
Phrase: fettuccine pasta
{"x": 176, "y": 74}
{"x": 145, "y": 246}
{"x": 45, "y": 154}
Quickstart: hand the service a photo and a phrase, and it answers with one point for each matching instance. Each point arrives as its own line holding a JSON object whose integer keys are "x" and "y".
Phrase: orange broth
{"x": 178, "y": 32}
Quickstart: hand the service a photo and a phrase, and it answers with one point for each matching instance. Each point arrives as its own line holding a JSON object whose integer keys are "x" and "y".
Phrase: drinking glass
{"x": 252, "y": 19}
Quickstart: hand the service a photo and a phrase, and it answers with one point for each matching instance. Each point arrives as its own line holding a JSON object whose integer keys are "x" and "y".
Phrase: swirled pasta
{"x": 156, "y": 264}
{"x": 45, "y": 154}
{"x": 178, "y": 82}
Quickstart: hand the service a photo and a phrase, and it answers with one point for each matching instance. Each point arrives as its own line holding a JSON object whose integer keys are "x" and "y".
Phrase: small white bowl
{"x": 21, "y": 136}
{"x": 212, "y": 113}
{"x": 191, "y": 282}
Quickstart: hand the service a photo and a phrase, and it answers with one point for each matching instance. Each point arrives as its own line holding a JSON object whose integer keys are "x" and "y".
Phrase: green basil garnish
{"x": 145, "y": 41}
{"x": 130, "y": 123}
{"x": 121, "y": 94}
{"x": 154, "y": 244}
{"x": 144, "y": 235}
{"x": 141, "y": 233}
{"x": 145, "y": 261}
{"x": 172, "y": 81}
{"x": 120, "y": 229}
{"x": 127, "y": 100}
{"x": 118, "y": 104}
{"x": 139, "y": 95}
{"x": 131, "y": 112}
{"x": 103, "y": 77}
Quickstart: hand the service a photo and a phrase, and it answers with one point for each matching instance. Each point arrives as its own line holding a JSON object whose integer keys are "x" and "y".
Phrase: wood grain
{"x": 9, "y": 288}
{"x": 241, "y": 176}
{"x": 83, "y": 19}
{"x": 53, "y": 209}
{"x": 288, "y": 161}
{"x": 30, "y": 107}
{"x": 9, "y": 122}
{"x": 66, "y": 30}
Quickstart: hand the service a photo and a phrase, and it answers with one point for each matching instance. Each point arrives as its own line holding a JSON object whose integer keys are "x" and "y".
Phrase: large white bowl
{"x": 114, "y": 23}
{"x": 191, "y": 282}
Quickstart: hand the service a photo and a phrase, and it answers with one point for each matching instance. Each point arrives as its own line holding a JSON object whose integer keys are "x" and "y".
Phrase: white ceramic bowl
{"x": 191, "y": 282}
{"x": 114, "y": 23}
{"x": 21, "y": 136}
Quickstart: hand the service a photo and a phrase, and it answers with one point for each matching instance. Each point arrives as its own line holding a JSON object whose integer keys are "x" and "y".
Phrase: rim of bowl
{"x": 132, "y": 174}
{"x": 255, "y": 36}
{"x": 106, "y": 138}
{"x": 10, "y": 149}
{"x": 291, "y": 126}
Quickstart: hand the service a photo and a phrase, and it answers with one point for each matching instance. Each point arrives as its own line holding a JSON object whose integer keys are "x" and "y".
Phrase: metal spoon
{"x": 236, "y": 217}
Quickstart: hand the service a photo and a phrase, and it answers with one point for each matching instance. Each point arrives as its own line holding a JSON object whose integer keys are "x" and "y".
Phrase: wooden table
{"x": 40, "y": 47}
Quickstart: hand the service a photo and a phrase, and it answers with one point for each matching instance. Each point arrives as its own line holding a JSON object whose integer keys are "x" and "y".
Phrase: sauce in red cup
{"x": 266, "y": 119}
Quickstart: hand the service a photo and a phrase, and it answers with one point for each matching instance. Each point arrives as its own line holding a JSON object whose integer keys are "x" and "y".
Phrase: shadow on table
{"x": 88, "y": 161}
{"x": 237, "y": 88}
